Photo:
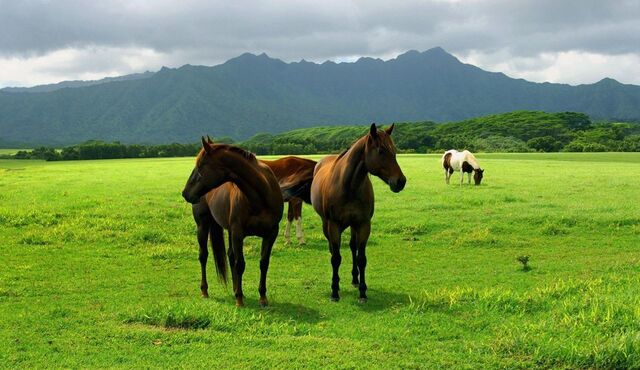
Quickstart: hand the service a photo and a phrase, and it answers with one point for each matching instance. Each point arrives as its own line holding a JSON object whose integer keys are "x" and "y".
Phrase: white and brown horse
{"x": 465, "y": 162}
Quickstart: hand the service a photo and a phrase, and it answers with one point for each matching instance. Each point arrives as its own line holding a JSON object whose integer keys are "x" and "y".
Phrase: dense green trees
{"x": 522, "y": 131}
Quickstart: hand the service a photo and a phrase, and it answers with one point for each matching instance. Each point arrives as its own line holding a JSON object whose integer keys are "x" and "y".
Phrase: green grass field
{"x": 100, "y": 269}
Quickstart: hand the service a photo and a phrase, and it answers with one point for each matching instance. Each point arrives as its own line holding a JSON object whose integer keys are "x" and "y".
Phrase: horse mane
{"x": 471, "y": 159}
{"x": 245, "y": 153}
{"x": 387, "y": 144}
{"x": 231, "y": 148}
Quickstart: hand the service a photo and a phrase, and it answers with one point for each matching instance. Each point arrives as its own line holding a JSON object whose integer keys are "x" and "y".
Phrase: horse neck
{"x": 355, "y": 170}
{"x": 469, "y": 158}
{"x": 249, "y": 179}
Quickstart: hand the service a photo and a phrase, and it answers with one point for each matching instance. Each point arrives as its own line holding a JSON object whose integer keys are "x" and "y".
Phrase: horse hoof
{"x": 356, "y": 285}
{"x": 264, "y": 303}
{"x": 334, "y": 299}
{"x": 239, "y": 302}
{"x": 362, "y": 300}
{"x": 205, "y": 294}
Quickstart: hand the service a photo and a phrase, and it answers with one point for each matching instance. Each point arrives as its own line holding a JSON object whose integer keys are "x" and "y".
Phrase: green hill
{"x": 252, "y": 94}
{"x": 518, "y": 131}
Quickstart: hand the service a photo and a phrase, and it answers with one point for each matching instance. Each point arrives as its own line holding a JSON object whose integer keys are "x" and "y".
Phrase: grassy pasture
{"x": 99, "y": 269}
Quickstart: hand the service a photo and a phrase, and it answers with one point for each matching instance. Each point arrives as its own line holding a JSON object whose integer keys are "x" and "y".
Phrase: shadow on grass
{"x": 277, "y": 310}
{"x": 378, "y": 300}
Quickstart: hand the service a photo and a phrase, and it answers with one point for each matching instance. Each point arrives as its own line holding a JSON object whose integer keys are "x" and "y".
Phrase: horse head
{"x": 477, "y": 175}
{"x": 380, "y": 158}
{"x": 207, "y": 174}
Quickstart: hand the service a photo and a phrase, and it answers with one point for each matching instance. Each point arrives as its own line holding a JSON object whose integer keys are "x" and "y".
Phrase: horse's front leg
{"x": 469, "y": 178}
{"x": 237, "y": 265}
{"x": 332, "y": 233}
{"x": 265, "y": 255}
{"x": 203, "y": 236}
{"x": 353, "y": 244}
{"x": 446, "y": 175}
{"x": 362, "y": 236}
{"x": 461, "y": 177}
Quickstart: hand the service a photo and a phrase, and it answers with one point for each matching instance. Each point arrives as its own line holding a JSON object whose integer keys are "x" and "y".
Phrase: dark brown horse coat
{"x": 230, "y": 189}
{"x": 342, "y": 194}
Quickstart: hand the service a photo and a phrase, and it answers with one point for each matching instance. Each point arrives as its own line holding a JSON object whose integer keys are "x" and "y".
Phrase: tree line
{"x": 521, "y": 131}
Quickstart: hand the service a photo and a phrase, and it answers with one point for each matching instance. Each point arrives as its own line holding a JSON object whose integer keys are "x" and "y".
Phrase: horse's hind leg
{"x": 296, "y": 204}
{"x": 265, "y": 255}
{"x": 237, "y": 269}
{"x": 290, "y": 216}
{"x": 362, "y": 236}
{"x": 353, "y": 244}
{"x": 332, "y": 233}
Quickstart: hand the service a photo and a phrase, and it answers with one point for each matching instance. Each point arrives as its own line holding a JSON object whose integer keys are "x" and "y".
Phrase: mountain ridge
{"x": 256, "y": 93}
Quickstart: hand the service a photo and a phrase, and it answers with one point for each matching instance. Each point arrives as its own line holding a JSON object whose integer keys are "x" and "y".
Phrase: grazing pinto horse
{"x": 231, "y": 190}
{"x": 293, "y": 170}
{"x": 453, "y": 160}
{"x": 342, "y": 194}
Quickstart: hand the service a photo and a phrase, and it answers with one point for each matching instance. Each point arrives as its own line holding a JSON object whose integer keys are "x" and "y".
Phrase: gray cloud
{"x": 206, "y": 32}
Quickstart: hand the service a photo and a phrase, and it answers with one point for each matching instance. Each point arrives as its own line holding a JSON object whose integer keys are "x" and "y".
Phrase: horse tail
{"x": 300, "y": 189}
{"x": 219, "y": 251}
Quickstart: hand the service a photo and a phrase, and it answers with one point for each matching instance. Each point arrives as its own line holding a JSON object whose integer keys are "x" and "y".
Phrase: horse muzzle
{"x": 190, "y": 197}
{"x": 398, "y": 184}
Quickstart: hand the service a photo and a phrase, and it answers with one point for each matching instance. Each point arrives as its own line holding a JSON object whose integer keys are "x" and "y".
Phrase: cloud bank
{"x": 559, "y": 41}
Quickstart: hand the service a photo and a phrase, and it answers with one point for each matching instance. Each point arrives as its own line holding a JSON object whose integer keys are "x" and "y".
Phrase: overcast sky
{"x": 573, "y": 42}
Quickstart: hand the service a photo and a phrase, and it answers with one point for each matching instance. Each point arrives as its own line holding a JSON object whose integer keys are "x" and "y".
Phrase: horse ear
{"x": 373, "y": 131}
{"x": 389, "y": 129}
{"x": 209, "y": 140}
{"x": 205, "y": 145}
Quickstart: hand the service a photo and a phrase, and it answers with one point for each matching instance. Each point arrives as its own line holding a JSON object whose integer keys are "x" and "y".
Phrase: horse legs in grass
{"x": 332, "y": 233}
{"x": 265, "y": 254}
{"x": 203, "y": 238}
{"x": 295, "y": 208}
{"x": 236, "y": 260}
{"x": 287, "y": 233}
{"x": 203, "y": 219}
{"x": 353, "y": 244}
{"x": 461, "y": 177}
{"x": 362, "y": 236}
{"x": 294, "y": 212}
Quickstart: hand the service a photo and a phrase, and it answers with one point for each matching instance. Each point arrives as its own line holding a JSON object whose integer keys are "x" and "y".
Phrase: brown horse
{"x": 289, "y": 171}
{"x": 231, "y": 190}
{"x": 342, "y": 195}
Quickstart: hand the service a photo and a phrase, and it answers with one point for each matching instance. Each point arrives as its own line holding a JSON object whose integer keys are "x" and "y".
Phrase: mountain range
{"x": 250, "y": 94}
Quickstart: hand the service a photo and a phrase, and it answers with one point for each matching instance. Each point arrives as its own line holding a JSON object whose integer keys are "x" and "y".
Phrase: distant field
{"x": 100, "y": 269}
{"x": 10, "y": 151}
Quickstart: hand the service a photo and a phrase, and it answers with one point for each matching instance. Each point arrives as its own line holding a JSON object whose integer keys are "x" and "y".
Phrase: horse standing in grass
{"x": 230, "y": 189}
{"x": 293, "y": 170}
{"x": 465, "y": 162}
{"x": 342, "y": 194}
